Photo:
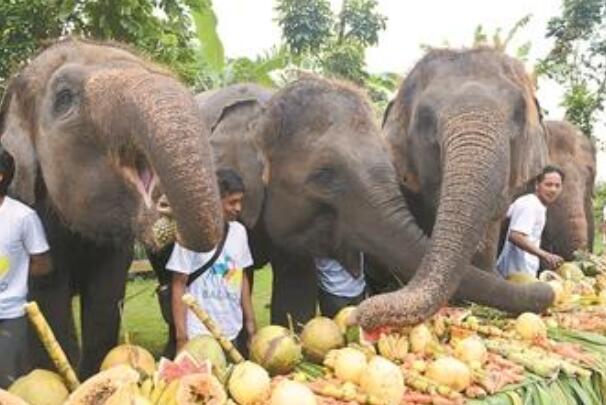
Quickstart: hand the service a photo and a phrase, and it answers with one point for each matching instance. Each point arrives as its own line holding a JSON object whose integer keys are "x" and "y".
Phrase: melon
{"x": 205, "y": 347}
{"x": 184, "y": 364}
{"x": 530, "y": 326}
{"x": 99, "y": 388}
{"x": 131, "y": 355}
{"x": 40, "y": 387}
{"x": 249, "y": 384}
{"x": 200, "y": 389}
{"x": 289, "y": 392}
{"x": 319, "y": 336}
{"x": 450, "y": 372}
{"x": 383, "y": 380}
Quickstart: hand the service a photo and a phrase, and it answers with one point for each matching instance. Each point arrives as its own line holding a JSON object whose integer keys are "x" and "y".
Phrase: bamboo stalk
{"x": 54, "y": 350}
{"x": 213, "y": 328}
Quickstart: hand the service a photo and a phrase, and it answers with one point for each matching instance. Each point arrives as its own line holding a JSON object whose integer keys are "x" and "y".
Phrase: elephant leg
{"x": 101, "y": 296}
{"x": 294, "y": 288}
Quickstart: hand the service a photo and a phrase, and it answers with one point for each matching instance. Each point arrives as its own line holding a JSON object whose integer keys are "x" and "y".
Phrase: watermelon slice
{"x": 184, "y": 364}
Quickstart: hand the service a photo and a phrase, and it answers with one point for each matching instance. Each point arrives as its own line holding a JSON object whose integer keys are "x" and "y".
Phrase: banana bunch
{"x": 393, "y": 347}
{"x": 150, "y": 392}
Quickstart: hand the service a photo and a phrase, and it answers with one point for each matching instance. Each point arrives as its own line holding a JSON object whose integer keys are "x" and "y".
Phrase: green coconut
{"x": 319, "y": 336}
{"x": 40, "y": 387}
{"x": 205, "y": 347}
{"x": 276, "y": 349}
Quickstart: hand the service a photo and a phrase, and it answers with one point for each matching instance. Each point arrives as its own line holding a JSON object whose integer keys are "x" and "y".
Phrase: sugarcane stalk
{"x": 54, "y": 350}
{"x": 336, "y": 392}
{"x": 540, "y": 364}
{"x": 213, "y": 328}
{"x": 488, "y": 330}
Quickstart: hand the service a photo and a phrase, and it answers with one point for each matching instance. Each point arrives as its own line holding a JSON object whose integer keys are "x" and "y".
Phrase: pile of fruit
{"x": 467, "y": 354}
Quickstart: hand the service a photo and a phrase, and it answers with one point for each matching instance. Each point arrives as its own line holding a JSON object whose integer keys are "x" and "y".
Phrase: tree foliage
{"x": 500, "y": 42}
{"x": 577, "y": 59}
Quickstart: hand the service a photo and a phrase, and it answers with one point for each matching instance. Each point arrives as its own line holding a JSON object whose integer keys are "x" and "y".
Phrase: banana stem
{"x": 54, "y": 350}
{"x": 213, "y": 328}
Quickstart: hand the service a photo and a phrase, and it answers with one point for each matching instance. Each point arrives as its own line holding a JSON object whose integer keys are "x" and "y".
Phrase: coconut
{"x": 471, "y": 350}
{"x": 530, "y": 326}
{"x": 420, "y": 338}
{"x": 383, "y": 380}
{"x": 131, "y": 355}
{"x": 249, "y": 383}
{"x": 345, "y": 318}
{"x": 205, "y": 347}
{"x": 450, "y": 372}
{"x": 6, "y": 398}
{"x": 319, "y": 336}
{"x": 276, "y": 349}
{"x": 289, "y": 392}
{"x": 40, "y": 387}
{"x": 349, "y": 364}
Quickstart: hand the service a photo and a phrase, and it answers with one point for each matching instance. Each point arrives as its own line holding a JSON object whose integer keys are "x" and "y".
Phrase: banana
{"x": 146, "y": 388}
{"x": 157, "y": 391}
{"x": 169, "y": 393}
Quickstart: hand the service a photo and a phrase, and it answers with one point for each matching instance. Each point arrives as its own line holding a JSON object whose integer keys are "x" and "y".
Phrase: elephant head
{"x": 103, "y": 135}
{"x": 570, "y": 224}
{"x": 333, "y": 191}
{"x": 465, "y": 133}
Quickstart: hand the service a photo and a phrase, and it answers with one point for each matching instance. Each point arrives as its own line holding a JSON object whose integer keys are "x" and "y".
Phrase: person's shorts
{"x": 14, "y": 351}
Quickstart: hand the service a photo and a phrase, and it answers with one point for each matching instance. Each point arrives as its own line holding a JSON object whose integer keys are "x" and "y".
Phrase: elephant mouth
{"x": 140, "y": 174}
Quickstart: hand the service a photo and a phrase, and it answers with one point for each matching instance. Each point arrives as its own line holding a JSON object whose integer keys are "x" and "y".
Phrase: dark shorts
{"x": 14, "y": 359}
{"x": 331, "y": 304}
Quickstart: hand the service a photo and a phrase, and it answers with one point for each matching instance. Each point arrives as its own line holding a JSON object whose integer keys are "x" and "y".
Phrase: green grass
{"x": 143, "y": 321}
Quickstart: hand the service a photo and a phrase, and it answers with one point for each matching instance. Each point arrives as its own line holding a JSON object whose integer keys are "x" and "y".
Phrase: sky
{"x": 247, "y": 28}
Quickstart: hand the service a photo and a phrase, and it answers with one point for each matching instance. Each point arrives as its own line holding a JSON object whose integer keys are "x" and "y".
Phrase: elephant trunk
{"x": 474, "y": 150}
{"x": 159, "y": 119}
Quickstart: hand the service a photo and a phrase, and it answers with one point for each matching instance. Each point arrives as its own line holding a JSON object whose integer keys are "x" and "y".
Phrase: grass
{"x": 143, "y": 321}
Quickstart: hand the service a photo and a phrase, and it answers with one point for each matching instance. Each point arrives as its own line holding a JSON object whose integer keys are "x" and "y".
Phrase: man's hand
{"x": 552, "y": 261}
{"x": 40, "y": 264}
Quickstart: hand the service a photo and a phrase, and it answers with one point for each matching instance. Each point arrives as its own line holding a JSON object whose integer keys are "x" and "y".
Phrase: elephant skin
{"x": 570, "y": 222}
{"x": 331, "y": 190}
{"x": 100, "y": 137}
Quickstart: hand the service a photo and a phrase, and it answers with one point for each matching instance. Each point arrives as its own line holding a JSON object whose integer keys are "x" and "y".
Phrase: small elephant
{"x": 465, "y": 133}
{"x": 102, "y": 141}
{"x": 330, "y": 189}
{"x": 570, "y": 223}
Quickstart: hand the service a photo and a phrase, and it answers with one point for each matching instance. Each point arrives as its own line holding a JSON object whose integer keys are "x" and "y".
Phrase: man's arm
{"x": 178, "y": 288}
{"x": 520, "y": 240}
{"x": 247, "y": 306}
{"x": 40, "y": 264}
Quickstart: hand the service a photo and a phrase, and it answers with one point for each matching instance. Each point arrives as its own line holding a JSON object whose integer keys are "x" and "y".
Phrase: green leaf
{"x": 211, "y": 48}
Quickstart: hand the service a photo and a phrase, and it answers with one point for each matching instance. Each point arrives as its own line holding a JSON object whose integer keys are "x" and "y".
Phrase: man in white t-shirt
{"x": 522, "y": 252}
{"x": 222, "y": 290}
{"x": 336, "y": 287}
{"x": 23, "y": 251}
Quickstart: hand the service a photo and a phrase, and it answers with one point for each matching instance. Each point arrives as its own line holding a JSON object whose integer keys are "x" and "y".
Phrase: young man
{"x": 222, "y": 290}
{"x": 336, "y": 287}
{"x": 23, "y": 251}
{"x": 522, "y": 252}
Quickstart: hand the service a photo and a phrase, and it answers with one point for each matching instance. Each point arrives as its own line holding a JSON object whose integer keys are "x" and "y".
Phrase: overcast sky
{"x": 247, "y": 28}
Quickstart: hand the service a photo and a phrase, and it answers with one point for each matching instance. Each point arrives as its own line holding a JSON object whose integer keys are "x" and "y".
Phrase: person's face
{"x": 232, "y": 206}
{"x": 550, "y": 188}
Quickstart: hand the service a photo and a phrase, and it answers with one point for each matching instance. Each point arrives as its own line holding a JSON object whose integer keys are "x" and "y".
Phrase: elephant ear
{"x": 16, "y": 139}
{"x": 232, "y": 114}
{"x": 529, "y": 151}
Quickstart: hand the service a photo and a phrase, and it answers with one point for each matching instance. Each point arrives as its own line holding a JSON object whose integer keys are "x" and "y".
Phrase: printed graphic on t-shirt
{"x": 5, "y": 266}
{"x": 224, "y": 280}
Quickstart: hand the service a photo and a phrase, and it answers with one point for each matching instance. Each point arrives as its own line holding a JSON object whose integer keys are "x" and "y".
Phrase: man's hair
{"x": 7, "y": 169}
{"x": 550, "y": 169}
{"x": 230, "y": 182}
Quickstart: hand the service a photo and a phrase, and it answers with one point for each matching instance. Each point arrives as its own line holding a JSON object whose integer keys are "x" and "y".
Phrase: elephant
{"x": 570, "y": 223}
{"x": 105, "y": 143}
{"x": 465, "y": 134}
{"x": 330, "y": 189}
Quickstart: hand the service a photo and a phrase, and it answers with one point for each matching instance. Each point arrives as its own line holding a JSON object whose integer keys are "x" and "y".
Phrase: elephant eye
{"x": 63, "y": 101}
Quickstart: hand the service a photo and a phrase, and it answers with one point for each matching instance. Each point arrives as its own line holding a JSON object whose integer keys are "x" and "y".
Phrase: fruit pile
{"x": 469, "y": 354}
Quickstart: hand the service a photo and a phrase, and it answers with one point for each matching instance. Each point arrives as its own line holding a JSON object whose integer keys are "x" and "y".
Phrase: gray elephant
{"x": 330, "y": 189}
{"x": 570, "y": 223}
{"x": 466, "y": 134}
{"x": 102, "y": 140}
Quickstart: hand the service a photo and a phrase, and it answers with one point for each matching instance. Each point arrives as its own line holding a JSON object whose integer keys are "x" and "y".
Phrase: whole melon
{"x": 205, "y": 347}
{"x": 40, "y": 387}
{"x": 319, "y": 336}
{"x": 249, "y": 384}
{"x": 276, "y": 349}
{"x": 131, "y": 355}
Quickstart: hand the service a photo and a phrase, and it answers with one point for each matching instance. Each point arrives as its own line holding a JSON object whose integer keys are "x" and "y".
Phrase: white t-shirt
{"x": 219, "y": 289}
{"x": 21, "y": 235}
{"x": 527, "y": 215}
{"x": 336, "y": 280}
